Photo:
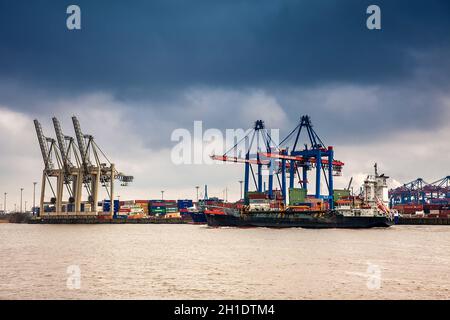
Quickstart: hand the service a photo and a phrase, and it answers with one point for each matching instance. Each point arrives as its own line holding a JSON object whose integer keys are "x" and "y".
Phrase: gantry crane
{"x": 257, "y": 141}
{"x": 315, "y": 155}
{"x": 95, "y": 172}
{"x": 283, "y": 158}
{"x": 52, "y": 169}
{"x": 77, "y": 164}
{"x": 421, "y": 192}
{"x": 73, "y": 175}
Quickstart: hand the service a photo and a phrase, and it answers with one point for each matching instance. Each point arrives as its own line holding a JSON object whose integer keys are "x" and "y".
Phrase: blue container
{"x": 107, "y": 206}
{"x": 184, "y": 204}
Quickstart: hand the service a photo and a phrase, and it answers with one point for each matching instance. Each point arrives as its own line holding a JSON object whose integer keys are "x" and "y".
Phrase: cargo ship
{"x": 368, "y": 210}
{"x": 197, "y": 212}
{"x": 285, "y": 219}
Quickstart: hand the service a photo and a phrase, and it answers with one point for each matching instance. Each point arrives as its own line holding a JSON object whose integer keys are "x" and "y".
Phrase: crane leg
{"x": 43, "y": 185}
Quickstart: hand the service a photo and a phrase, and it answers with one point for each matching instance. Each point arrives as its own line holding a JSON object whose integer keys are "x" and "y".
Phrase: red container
{"x": 432, "y": 206}
{"x": 158, "y": 204}
{"x": 140, "y": 201}
{"x": 257, "y": 196}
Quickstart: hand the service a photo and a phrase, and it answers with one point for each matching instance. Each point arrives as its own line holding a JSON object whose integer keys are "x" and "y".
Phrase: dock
{"x": 423, "y": 221}
{"x": 95, "y": 220}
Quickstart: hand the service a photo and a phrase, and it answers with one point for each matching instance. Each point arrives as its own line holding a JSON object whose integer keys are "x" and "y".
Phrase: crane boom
{"x": 81, "y": 144}
{"x": 350, "y": 183}
{"x": 62, "y": 145}
{"x": 300, "y": 158}
{"x": 239, "y": 160}
{"x": 43, "y": 145}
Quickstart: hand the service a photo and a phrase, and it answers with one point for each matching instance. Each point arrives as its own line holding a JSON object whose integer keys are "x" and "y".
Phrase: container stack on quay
{"x": 106, "y": 206}
{"x": 142, "y": 204}
{"x": 172, "y": 209}
{"x": 157, "y": 207}
{"x": 429, "y": 210}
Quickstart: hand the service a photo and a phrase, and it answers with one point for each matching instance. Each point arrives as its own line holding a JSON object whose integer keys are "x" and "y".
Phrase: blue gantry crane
{"x": 421, "y": 192}
{"x": 279, "y": 159}
{"x": 314, "y": 156}
{"x": 255, "y": 143}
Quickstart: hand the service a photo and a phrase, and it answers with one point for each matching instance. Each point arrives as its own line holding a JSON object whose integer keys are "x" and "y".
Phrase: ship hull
{"x": 297, "y": 220}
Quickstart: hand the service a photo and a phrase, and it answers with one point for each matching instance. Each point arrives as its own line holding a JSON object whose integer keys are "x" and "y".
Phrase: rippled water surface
{"x": 197, "y": 262}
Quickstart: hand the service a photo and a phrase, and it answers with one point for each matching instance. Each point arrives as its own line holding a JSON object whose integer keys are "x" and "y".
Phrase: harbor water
{"x": 198, "y": 262}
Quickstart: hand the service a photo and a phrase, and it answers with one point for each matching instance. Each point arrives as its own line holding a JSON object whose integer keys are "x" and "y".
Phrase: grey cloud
{"x": 150, "y": 48}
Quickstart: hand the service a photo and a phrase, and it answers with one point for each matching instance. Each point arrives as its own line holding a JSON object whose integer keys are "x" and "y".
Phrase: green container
{"x": 297, "y": 195}
{"x": 158, "y": 211}
{"x": 340, "y": 193}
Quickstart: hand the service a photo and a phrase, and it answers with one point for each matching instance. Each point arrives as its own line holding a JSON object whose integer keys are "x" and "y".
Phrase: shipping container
{"x": 140, "y": 201}
{"x": 340, "y": 193}
{"x": 106, "y": 206}
{"x": 157, "y": 203}
{"x": 173, "y": 215}
{"x": 256, "y": 195}
{"x": 183, "y": 204}
{"x": 296, "y": 195}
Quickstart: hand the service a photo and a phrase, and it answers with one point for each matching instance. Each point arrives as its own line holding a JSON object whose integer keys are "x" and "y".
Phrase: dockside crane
{"x": 315, "y": 155}
{"x": 73, "y": 174}
{"x": 91, "y": 173}
{"x": 52, "y": 169}
{"x": 78, "y": 163}
{"x": 442, "y": 188}
{"x": 421, "y": 192}
{"x": 283, "y": 158}
{"x": 412, "y": 192}
{"x": 97, "y": 173}
{"x": 257, "y": 141}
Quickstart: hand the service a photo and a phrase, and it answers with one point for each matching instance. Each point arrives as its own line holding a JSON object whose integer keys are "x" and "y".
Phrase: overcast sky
{"x": 136, "y": 72}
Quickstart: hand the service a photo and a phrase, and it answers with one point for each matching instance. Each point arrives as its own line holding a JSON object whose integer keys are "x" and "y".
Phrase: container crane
{"x": 411, "y": 192}
{"x": 77, "y": 163}
{"x": 52, "y": 169}
{"x": 73, "y": 176}
{"x": 314, "y": 156}
{"x": 256, "y": 140}
{"x": 97, "y": 173}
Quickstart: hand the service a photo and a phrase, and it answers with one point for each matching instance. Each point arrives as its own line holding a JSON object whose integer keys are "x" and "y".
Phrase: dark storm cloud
{"x": 313, "y": 57}
{"x": 141, "y": 47}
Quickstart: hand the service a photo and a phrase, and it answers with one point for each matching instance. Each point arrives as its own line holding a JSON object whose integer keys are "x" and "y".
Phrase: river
{"x": 197, "y": 262}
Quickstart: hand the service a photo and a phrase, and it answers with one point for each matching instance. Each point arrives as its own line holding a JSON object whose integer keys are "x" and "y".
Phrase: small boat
{"x": 198, "y": 216}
